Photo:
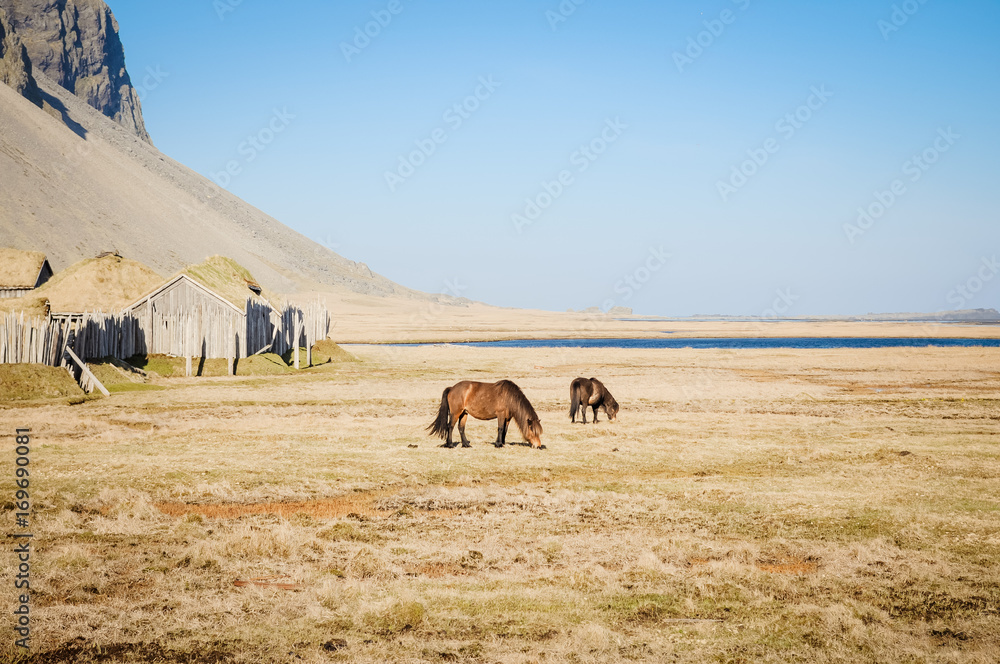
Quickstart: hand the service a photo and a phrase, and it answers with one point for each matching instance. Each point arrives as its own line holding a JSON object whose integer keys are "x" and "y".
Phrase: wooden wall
{"x": 14, "y": 292}
{"x": 184, "y": 319}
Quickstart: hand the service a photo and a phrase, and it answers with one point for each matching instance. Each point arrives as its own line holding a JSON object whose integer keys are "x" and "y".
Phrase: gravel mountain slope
{"x": 73, "y": 183}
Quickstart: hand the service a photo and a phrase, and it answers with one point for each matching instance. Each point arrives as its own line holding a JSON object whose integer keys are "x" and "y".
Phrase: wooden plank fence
{"x": 301, "y": 327}
{"x": 35, "y": 340}
{"x": 31, "y": 340}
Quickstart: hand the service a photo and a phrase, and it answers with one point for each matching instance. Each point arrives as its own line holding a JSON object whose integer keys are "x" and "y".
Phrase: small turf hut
{"x": 211, "y": 310}
{"x": 22, "y": 272}
{"x": 105, "y": 283}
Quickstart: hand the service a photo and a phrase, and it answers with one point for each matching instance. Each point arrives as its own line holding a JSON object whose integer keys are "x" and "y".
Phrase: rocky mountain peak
{"x": 15, "y": 66}
{"x": 76, "y": 44}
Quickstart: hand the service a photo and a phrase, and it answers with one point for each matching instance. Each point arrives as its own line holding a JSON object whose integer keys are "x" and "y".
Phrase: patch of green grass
{"x": 134, "y": 387}
{"x": 23, "y": 382}
{"x": 227, "y": 278}
{"x": 162, "y": 365}
{"x": 117, "y": 380}
{"x": 324, "y": 352}
{"x": 398, "y": 617}
{"x": 265, "y": 364}
{"x": 856, "y": 526}
{"x": 972, "y": 505}
{"x": 347, "y": 532}
{"x": 693, "y": 602}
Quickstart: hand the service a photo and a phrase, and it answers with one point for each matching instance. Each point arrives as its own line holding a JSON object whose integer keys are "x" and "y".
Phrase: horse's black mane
{"x": 520, "y": 408}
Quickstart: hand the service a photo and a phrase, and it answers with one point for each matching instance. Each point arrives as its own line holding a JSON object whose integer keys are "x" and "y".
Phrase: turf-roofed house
{"x": 212, "y": 302}
{"x": 21, "y": 272}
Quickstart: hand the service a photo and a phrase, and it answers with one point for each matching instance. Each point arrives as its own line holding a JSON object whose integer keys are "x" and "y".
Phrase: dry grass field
{"x": 747, "y": 506}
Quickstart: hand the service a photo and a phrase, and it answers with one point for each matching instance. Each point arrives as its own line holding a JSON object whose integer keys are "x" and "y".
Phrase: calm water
{"x": 788, "y": 342}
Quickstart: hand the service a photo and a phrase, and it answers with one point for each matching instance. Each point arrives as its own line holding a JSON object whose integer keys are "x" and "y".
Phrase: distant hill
{"x": 965, "y": 315}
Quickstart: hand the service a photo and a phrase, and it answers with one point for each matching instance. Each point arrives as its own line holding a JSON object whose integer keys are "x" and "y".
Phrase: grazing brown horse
{"x": 591, "y": 393}
{"x": 501, "y": 401}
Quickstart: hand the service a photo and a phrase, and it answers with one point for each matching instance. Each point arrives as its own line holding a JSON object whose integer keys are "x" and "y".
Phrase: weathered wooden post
{"x": 310, "y": 335}
{"x": 187, "y": 345}
{"x": 230, "y": 343}
{"x": 297, "y": 334}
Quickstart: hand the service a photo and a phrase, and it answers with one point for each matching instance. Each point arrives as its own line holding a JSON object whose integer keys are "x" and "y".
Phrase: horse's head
{"x": 534, "y": 432}
{"x": 612, "y": 410}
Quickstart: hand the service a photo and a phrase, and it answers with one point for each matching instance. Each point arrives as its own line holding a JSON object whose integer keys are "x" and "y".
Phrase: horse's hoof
{"x": 466, "y": 445}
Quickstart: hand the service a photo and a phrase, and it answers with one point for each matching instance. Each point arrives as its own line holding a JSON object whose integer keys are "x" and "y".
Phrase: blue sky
{"x": 714, "y": 155}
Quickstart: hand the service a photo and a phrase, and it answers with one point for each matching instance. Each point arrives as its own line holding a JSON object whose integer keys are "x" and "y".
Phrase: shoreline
{"x": 521, "y": 328}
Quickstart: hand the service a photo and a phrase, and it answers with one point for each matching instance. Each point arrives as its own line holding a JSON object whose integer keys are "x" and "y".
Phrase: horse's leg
{"x": 451, "y": 430}
{"x": 461, "y": 429}
{"x": 595, "y": 413}
{"x": 501, "y": 431}
{"x": 502, "y": 419}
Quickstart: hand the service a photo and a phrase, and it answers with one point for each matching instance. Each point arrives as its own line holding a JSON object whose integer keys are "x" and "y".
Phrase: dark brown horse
{"x": 501, "y": 401}
{"x": 591, "y": 393}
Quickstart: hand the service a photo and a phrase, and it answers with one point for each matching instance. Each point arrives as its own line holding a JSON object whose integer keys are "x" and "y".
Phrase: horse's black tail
{"x": 442, "y": 425}
{"x": 574, "y": 398}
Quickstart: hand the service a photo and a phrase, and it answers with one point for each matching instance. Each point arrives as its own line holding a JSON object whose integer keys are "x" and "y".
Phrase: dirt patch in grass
{"x": 23, "y": 382}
